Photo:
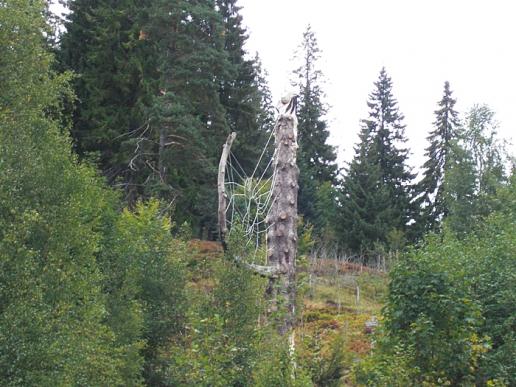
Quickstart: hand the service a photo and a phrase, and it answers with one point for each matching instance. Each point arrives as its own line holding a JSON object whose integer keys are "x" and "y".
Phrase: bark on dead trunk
{"x": 282, "y": 222}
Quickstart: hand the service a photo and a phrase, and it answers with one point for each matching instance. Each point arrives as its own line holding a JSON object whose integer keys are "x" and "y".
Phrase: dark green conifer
{"x": 176, "y": 156}
{"x": 431, "y": 188}
{"x": 160, "y": 85}
{"x": 106, "y": 46}
{"x": 316, "y": 158}
{"x": 365, "y": 208}
{"x": 241, "y": 93}
{"x": 377, "y": 188}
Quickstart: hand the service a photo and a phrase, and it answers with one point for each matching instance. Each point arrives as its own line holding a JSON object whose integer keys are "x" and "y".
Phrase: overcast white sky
{"x": 470, "y": 43}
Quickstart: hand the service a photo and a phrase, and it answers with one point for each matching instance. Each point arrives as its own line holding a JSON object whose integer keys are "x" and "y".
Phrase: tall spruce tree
{"x": 365, "y": 208}
{"x": 377, "y": 188}
{"x": 160, "y": 84}
{"x": 241, "y": 91}
{"x": 316, "y": 158}
{"x": 105, "y": 45}
{"x": 431, "y": 188}
{"x": 176, "y": 155}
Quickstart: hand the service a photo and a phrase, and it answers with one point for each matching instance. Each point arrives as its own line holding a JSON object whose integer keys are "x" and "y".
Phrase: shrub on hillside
{"x": 451, "y": 310}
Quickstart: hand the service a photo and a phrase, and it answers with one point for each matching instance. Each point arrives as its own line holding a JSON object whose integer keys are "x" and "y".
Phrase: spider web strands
{"x": 231, "y": 197}
{"x": 249, "y": 198}
{"x": 262, "y": 154}
{"x": 241, "y": 175}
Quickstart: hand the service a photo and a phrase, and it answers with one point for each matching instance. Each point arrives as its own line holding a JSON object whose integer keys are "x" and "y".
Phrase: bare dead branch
{"x": 146, "y": 125}
{"x": 271, "y": 272}
{"x": 221, "y": 186}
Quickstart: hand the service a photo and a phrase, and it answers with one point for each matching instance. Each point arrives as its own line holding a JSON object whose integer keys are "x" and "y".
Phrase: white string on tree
{"x": 249, "y": 199}
{"x": 266, "y": 216}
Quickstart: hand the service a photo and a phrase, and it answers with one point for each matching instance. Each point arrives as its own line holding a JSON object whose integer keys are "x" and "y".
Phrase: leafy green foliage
{"x": 51, "y": 308}
{"x": 459, "y": 190}
{"x": 476, "y": 172}
{"x": 326, "y": 369}
{"x": 440, "y": 326}
{"x": 450, "y": 310}
{"x": 275, "y": 366}
{"x": 222, "y": 335}
{"x": 85, "y": 291}
{"x": 145, "y": 280}
{"x": 239, "y": 300}
{"x": 390, "y": 367}
{"x": 487, "y": 151}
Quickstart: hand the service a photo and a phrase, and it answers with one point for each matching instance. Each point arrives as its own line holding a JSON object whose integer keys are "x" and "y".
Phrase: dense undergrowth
{"x": 330, "y": 338}
{"x": 450, "y": 314}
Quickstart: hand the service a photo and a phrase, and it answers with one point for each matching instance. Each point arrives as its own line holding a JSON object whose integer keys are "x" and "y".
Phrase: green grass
{"x": 332, "y": 314}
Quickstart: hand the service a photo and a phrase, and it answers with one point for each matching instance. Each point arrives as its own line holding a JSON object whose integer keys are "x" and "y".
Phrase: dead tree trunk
{"x": 282, "y": 221}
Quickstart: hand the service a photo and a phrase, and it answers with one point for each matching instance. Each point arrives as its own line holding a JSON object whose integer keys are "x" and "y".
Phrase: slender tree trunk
{"x": 221, "y": 187}
{"x": 161, "y": 151}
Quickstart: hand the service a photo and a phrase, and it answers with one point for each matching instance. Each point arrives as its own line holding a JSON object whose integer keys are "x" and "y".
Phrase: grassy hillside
{"x": 337, "y": 299}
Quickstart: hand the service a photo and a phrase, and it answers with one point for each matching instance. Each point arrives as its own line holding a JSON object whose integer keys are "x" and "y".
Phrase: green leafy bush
{"x": 275, "y": 366}
{"x": 451, "y": 309}
{"x": 144, "y": 278}
{"x": 220, "y": 343}
{"x": 51, "y": 303}
{"x": 326, "y": 363}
